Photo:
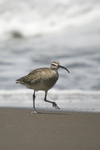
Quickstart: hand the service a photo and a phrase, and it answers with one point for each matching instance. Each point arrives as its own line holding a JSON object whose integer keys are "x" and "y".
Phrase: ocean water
{"x": 35, "y": 33}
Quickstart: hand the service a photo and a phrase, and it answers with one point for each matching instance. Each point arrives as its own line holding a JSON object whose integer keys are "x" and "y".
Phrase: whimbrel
{"x": 42, "y": 79}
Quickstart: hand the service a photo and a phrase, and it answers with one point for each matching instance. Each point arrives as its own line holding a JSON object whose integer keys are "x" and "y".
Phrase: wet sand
{"x": 21, "y": 130}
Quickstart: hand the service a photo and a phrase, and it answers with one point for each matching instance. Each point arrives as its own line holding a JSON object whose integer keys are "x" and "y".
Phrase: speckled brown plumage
{"x": 40, "y": 79}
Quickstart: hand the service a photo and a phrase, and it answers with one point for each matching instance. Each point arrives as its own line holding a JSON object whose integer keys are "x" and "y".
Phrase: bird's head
{"x": 56, "y": 66}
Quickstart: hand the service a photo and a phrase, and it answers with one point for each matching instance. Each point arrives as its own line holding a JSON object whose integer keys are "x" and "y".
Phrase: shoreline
{"x": 39, "y": 110}
{"x": 21, "y": 130}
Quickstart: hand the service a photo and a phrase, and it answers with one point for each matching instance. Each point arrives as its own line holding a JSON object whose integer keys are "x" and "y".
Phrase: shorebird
{"x": 42, "y": 79}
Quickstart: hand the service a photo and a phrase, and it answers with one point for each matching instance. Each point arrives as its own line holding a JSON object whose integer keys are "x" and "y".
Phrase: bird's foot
{"x": 33, "y": 112}
{"x": 55, "y": 105}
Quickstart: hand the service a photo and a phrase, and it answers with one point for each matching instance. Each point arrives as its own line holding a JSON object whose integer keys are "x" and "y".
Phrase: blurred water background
{"x": 34, "y": 33}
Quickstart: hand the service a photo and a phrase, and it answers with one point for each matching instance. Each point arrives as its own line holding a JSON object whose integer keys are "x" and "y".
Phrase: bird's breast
{"x": 49, "y": 79}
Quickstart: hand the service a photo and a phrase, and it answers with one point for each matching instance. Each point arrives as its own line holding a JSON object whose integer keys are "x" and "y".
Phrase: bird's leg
{"x": 53, "y": 103}
{"x": 34, "y": 110}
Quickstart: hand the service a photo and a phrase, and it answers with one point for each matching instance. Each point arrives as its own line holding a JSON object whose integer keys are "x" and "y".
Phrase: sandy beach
{"x": 21, "y": 130}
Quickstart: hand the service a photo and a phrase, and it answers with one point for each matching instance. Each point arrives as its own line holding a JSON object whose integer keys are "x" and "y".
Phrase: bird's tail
{"x": 18, "y": 81}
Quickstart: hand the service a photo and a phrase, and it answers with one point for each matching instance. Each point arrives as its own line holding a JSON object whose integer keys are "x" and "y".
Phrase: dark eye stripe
{"x": 53, "y": 64}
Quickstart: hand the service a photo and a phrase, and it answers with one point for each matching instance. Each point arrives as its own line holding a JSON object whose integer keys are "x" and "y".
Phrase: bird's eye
{"x": 53, "y": 64}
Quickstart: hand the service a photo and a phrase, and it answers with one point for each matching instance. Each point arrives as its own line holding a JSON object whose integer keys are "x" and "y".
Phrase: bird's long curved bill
{"x": 64, "y": 68}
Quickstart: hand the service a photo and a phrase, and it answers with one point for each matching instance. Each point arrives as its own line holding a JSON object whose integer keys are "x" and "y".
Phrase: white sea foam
{"x": 30, "y": 18}
{"x": 76, "y": 100}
